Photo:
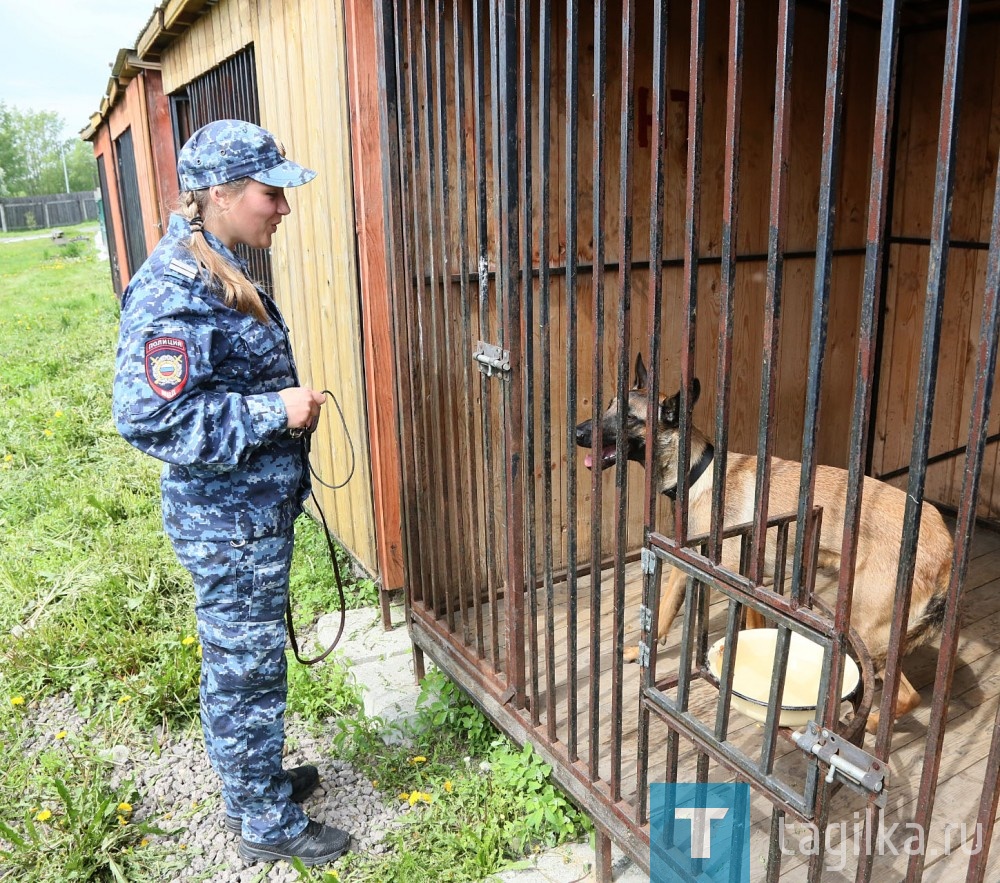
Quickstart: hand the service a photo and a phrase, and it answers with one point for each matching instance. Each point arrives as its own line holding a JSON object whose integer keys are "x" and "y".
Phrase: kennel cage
{"x": 794, "y": 202}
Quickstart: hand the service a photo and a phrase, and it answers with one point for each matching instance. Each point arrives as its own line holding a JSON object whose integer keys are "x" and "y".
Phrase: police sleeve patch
{"x": 167, "y": 366}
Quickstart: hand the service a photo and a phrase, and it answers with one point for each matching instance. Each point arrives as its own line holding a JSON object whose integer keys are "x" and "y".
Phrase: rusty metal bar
{"x": 440, "y": 548}
{"x": 829, "y": 171}
{"x": 468, "y": 345}
{"x": 867, "y": 339}
{"x": 527, "y": 280}
{"x": 778, "y": 218}
{"x": 456, "y": 549}
{"x": 512, "y": 319}
{"x": 418, "y": 371}
{"x": 692, "y": 218}
{"x": 545, "y": 328}
{"x": 482, "y": 238}
{"x": 394, "y": 196}
{"x": 597, "y": 399}
{"x": 727, "y": 295}
{"x": 652, "y": 579}
{"x": 979, "y": 410}
{"x": 926, "y": 381}
{"x": 927, "y": 374}
{"x": 572, "y": 134}
{"x": 833, "y": 115}
{"x": 624, "y": 327}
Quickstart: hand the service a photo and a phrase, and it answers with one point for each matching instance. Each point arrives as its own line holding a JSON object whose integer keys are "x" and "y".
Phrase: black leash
{"x": 306, "y": 443}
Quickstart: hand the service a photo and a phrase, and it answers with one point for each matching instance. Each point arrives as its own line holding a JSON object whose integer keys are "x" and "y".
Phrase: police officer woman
{"x": 205, "y": 381}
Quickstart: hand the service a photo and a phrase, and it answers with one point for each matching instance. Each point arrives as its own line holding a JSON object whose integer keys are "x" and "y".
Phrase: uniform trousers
{"x": 241, "y": 589}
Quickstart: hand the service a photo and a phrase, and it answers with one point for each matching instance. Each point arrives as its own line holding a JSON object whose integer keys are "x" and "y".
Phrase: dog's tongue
{"x": 608, "y": 451}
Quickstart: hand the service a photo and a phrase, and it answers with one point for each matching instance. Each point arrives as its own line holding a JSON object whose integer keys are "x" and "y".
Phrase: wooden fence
{"x": 53, "y": 210}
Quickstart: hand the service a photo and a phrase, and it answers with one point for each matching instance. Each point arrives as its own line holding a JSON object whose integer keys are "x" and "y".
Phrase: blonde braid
{"x": 238, "y": 292}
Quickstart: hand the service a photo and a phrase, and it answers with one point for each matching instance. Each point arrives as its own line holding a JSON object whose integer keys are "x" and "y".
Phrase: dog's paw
{"x": 631, "y": 654}
{"x": 871, "y": 725}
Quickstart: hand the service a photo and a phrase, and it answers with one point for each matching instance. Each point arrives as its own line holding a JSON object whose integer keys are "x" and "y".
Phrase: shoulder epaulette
{"x": 179, "y": 268}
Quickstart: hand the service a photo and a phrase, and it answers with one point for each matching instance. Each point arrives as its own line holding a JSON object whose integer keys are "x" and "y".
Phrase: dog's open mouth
{"x": 607, "y": 457}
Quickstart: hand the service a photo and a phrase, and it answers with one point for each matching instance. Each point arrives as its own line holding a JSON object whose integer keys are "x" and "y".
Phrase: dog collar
{"x": 697, "y": 471}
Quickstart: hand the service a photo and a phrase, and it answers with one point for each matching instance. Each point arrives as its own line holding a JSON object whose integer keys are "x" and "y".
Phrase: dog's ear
{"x": 641, "y": 375}
{"x": 669, "y": 409}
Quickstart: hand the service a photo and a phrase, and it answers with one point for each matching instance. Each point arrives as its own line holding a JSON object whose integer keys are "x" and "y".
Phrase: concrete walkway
{"x": 382, "y": 662}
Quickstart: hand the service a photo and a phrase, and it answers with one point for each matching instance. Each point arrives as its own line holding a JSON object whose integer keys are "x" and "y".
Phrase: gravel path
{"x": 180, "y": 782}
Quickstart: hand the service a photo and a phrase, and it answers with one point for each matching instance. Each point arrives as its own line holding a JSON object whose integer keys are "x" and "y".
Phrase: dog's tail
{"x": 927, "y": 626}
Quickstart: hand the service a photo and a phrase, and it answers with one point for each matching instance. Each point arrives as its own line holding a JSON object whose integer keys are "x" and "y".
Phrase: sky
{"x": 56, "y": 55}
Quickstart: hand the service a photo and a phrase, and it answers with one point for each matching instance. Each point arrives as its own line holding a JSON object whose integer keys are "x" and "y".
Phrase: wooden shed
{"x": 305, "y": 71}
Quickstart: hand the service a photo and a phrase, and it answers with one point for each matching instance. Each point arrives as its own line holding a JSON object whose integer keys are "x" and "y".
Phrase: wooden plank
{"x": 376, "y": 306}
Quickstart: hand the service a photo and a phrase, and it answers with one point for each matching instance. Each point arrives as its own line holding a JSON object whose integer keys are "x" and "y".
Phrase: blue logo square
{"x": 699, "y": 832}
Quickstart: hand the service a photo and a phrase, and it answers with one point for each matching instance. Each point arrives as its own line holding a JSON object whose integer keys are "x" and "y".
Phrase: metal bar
{"x": 692, "y": 218}
{"x": 868, "y": 333}
{"x": 529, "y": 355}
{"x": 774, "y": 850}
{"x": 408, "y": 128}
{"x": 727, "y": 295}
{"x": 927, "y": 374}
{"x": 597, "y": 438}
{"x": 647, "y": 679}
{"x": 456, "y": 550}
{"x": 572, "y": 73}
{"x": 624, "y": 328}
{"x": 397, "y": 257}
{"x": 829, "y": 169}
{"x": 482, "y": 244}
{"x": 467, "y": 346}
{"x": 982, "y": 395}
{"x": 778, "y": 219}
{"x": 545, "y": 328}
{"x": 652, "y": 581}
{"x": 512, "y": 320}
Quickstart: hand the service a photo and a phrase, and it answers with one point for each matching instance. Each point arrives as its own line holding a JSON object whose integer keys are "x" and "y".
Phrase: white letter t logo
{"x": 701, "y": 831}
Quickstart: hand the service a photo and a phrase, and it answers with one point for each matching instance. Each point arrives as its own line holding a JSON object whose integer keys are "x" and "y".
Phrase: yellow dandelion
{"x": 144, "y": 841}
{"x": 17, "y": 700}
{"x": 420, "y": 797}
{"x": 448, "y": 786}
{"x": 182, "y": 846}
{"x": 123, "y": 699}
{"x": 122, "y": 820}
{"x": 59, "y": 413}
{"x": 124, "y": 807}
{"x": 374, "y": 783}
{"x": 8, "y": 458}
{"x": 418, "y": 759}
{"x": 61, "y": 734}
{"x": 48, "y": 433}
{"x": 403, "y": 795}
{"x": 43, "y": 816}
{"x": 188, "y": 641}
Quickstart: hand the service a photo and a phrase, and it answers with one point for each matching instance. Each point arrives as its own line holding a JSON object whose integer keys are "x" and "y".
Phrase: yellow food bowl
{"x": 752, "y": 675}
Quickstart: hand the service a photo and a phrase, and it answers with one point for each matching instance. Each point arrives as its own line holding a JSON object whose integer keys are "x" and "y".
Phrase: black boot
{"x": 316, "y": 845}
{"x": 304, "y": 782}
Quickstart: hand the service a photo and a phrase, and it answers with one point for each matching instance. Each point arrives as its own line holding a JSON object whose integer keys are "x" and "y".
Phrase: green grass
{"x": 94, "y": 605}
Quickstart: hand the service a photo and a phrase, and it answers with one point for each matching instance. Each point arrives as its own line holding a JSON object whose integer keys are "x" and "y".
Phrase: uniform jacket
{"x": 196, "y": 385}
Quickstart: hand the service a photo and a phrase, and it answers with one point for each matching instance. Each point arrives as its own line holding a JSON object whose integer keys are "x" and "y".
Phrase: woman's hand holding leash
{"x": 303, "y": 407}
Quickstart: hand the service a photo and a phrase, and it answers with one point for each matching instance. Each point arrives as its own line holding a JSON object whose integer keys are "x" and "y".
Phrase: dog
{"x": 879, "y": 530}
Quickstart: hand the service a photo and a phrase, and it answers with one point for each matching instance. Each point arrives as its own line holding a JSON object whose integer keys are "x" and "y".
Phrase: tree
{"x": 32, "y": 154}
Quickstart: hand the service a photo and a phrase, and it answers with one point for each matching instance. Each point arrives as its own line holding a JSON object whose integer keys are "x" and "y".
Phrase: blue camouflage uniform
{"x": 196, "y": 386}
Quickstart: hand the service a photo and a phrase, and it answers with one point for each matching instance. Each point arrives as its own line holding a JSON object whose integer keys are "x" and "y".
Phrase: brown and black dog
{"x": 879, "y": 531}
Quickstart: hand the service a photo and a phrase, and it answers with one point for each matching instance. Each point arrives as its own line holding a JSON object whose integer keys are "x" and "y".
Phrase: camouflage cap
{"x": 228, "y": 150}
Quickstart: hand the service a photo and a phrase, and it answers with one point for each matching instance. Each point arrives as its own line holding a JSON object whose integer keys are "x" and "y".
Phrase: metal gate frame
{"x": 504, "y": 683}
